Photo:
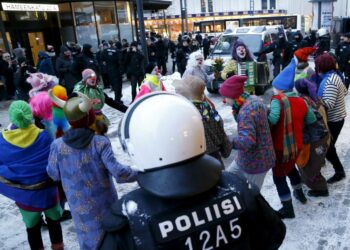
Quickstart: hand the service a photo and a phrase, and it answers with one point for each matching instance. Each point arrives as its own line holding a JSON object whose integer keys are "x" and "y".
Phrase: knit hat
{"x": 303, "y": 53}
{"x": 233, "y": 87}
{"x": 20, "y": 114}
{"x": 306, "y": 87}
{"x": 150, "y": 67}
{"x": 285, "y": 79}
{"x": 88, "y": 73}
{"x": 191, "y": 87}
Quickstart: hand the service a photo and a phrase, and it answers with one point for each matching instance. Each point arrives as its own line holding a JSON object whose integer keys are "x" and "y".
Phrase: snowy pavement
{"x": 322, "y": 223}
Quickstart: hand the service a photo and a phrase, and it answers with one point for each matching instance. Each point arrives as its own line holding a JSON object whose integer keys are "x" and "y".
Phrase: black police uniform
{"x": 112, "y": 58}
{"x": 231, "y": 215}
{"x": 343, "y": 54}
{"x": 182, "y": 55}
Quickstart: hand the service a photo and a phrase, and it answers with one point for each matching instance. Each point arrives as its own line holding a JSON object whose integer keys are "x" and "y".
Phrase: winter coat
{"x": 150, "y": 83}
{"x": 45, "y": 64}
{"x": 20, "y": 80}
{"x": 135, "y": 64}
{"x": 87, "y": 182}
{"x": 199, "y": 72}
{"x": 254, "y": 142}
{"x": 64, "y": 68}
{"x": 86, "y": 60}
{"x": 182, "y": 56}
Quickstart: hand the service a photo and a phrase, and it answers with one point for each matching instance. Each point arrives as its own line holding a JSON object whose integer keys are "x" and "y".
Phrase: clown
{"x": 303, "y": 69}
{"x": 195, "y": 67}
{"x": 58, "y": 116}
{"x": 151, "y": 82}
{"x": 89, "y": 87}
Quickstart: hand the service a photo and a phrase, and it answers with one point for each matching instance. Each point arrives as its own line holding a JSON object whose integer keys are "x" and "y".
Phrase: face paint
{"x": 91, "y": 81}
{"x": 241, "y": 51}
{"x": 199, "y": 61}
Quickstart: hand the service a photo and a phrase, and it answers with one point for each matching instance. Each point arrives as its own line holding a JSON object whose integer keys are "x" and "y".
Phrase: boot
{"x": 318, "y": 193}
{"x": 299, "y": 195}
{"x": 55, "y": 232}
{"x": 287, "y": 211}
{"x": 336, "y": 177}
{"x": 66, "y": 215}
{"x": 34, "y": 237}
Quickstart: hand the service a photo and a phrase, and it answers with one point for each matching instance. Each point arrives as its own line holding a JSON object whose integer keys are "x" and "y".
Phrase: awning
{"x": 155, "y": 4}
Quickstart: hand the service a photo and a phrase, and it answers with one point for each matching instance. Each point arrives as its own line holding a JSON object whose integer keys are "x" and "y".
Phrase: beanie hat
{"x": 20, "y": 114}
{"x": 233, "y": 87}
{"x": 285, "y": 79}
{"x": 306, "y": 87}
{"x": 150, "y": 67}
{"x": 303, "y": 53}
{"x": 191, "y": 87}
{"x": 88, "y": 73}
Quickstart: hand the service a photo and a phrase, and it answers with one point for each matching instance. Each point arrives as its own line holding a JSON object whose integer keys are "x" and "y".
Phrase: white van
{"x": 255, "y": 37}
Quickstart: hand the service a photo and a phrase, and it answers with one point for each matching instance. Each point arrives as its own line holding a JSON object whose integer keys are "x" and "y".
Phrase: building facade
{"x": 54, "y": 22}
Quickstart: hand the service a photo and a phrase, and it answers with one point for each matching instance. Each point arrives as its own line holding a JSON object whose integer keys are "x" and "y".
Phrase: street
{"x": 319, "y": 224}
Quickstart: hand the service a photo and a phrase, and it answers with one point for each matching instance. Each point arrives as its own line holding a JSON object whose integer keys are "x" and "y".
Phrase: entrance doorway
{"x": 37, "y": 43}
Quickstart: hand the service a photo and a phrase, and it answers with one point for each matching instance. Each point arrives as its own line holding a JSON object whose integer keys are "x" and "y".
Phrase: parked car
{"x": 255, "y": 37}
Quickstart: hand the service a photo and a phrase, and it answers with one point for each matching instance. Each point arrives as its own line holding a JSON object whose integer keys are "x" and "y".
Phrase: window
{"x": 124, "y": 18}
{"x": 210, "y": 6}
{"x": 106, "y": 20}
{"x": 272, "y": 4}
{"x": 203, "y": 9}
{"x": 264, "y": 4}
{"x": 85, "y": 23}
{"x": 66, "y": 22}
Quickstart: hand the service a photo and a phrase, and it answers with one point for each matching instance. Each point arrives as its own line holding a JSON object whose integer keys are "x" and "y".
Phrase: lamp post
{"x": 139, "y": 5}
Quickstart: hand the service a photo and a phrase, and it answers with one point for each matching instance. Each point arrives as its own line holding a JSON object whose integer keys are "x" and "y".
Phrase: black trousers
{"x": 117, "y": 84}
{"x": 161, "y": 63}
{"x": 135, "y": 83}
{"x": 332, "y": 156}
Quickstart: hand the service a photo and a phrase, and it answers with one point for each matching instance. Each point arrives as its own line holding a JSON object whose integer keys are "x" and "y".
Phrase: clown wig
{"x": 248, "y": 57}
{"x": 41, "y": 105}
{"x": 192, "y": 60}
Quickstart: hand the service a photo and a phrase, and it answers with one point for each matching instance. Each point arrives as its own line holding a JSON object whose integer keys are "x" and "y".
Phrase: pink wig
{"x": 41, "y": 106}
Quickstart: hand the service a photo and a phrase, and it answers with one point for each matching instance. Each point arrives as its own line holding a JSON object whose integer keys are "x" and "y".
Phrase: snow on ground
{"x": 320, "y": 224}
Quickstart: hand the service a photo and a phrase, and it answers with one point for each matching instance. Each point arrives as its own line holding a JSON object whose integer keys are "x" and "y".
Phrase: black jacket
{"x": 232, "y": 209}
{"x": 86, "y": 60}
{"x": 135, "y": 63}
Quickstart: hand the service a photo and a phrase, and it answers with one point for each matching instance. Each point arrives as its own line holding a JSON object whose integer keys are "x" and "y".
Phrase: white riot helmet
{"x": 164, "y": 136}
{"x": 162, "y": 129}
{"x": 322, "y": 32}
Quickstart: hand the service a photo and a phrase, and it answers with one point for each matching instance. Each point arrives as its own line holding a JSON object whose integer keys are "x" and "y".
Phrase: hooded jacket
{"x": 45, "y": 64}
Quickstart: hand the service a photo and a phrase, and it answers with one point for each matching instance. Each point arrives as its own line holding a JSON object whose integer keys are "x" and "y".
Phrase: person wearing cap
{"x": 182, "y": 54}
{"x": 23, "y": 178}
{"x": 218, "y": 144}
{"x": 256, "y": 155}
{"x": 84, "y": 162}
{"x": 195, "y": 67}
{"x": 332, "y": 92}
{"x": 185, "y": 200}
{"x": 287, "y": 117}
{"x": 343, "y": 54}
{"x": 151, "y": 82}
{"x": 316, "y": 139}
{"x": 303, "y": 69}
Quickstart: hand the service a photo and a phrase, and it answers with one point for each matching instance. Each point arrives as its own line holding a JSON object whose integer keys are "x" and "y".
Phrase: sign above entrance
{"x": 29, "y": 7}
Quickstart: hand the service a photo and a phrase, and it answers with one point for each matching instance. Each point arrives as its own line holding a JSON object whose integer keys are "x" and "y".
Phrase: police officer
{"x": 111, "y": 57}
{"x": 343, "y": 54}
{"x": 323, "y": 41}
{"x": 184, "y": 201}
{"x": 183, "y": 54}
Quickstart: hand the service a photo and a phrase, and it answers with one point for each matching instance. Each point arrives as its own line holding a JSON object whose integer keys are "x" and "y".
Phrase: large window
{"x": 106, "y": 20}
{"x": 124, "y": 18}
{"x": 66, "y": 22}
{"x": 210, "y": 6}
{"x": 203, "y": 9}
{"x": 264, "y": 4}
{"x": 85, "y": 23}
{"x": 272, "y": 4}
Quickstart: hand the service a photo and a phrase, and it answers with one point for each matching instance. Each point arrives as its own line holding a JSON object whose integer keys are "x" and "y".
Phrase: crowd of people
{"x": 176, "y": 141}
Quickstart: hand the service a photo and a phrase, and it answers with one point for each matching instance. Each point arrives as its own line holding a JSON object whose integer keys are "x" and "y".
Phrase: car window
{"x": 225, "y": 43}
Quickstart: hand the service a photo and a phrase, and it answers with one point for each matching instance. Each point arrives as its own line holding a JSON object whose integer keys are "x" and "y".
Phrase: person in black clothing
{"x": 199, "y": 39}
{"x": 183, "y": 54}
{"x": 7, "y": 70}
{"x": 135, "y": 67}
{"x": 323, "y": 41}
{"x": 52, "y": 54}
{"x": 152, "y": 51}
{"x": 86, "y": 60}
{"x": 343, "y": 54}
{"x": 21, "y": 75}
{"x": 112, "y": 58}
{"x": 102, "y": 65}
{"x": 65, "y": 71}
{"x": 161, "y": 54}
{"x": 185, "y": 200}
{"x": 172, "y": 50}
{"x": 206, "y": 46}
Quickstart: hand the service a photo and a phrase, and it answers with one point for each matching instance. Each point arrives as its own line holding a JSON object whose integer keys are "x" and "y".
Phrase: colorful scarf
{"x": 290, "y": 149}
{"x": 206, "y": 110}
{"x": 238, "y": 102}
